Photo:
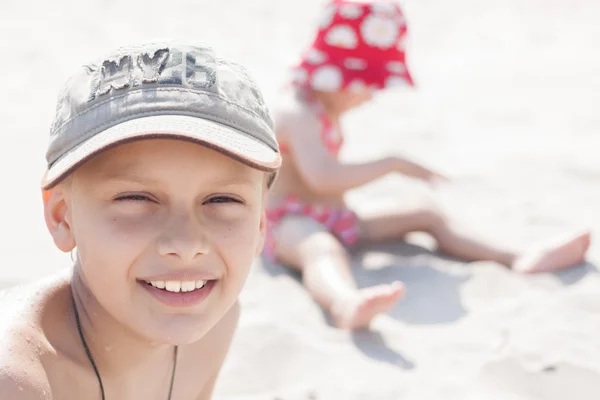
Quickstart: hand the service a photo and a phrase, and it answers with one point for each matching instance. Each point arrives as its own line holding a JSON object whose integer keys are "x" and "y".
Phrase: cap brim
{"x": 225, "y": 139}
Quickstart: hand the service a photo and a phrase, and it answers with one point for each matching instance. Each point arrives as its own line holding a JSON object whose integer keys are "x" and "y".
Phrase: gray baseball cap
{"x": 160, "y": 90}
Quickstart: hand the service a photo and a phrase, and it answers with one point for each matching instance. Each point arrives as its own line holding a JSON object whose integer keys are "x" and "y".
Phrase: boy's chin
{"x": 177, "y": 330}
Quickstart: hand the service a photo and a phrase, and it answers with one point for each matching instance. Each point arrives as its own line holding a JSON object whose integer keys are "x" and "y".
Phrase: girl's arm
{"x": 326, "y": 175}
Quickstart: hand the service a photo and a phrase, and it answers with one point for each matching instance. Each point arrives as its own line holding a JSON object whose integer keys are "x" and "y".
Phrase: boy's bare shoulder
{"x": 23, "y": 342}
{"x": 21, "y": 371}
{"x": 16, "y": 385}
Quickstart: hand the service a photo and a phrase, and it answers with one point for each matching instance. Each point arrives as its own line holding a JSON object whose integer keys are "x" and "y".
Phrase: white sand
{"x": 507, "y": 106}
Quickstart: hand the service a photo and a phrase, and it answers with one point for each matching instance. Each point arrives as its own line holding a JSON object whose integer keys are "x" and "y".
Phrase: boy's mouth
{"x": 178, "y": 286}
{"x": 179, "y": 293}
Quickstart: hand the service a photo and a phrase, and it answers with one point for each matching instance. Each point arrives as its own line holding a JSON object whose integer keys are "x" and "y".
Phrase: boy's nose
{"x": 183, "y": 238}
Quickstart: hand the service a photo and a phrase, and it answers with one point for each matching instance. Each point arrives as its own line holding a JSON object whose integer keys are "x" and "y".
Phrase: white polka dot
{"x": 327, "y": 16}
{"x": 379, "y": 32}
{"x": 351, "y": 11}
{"x": 396, "y": 67}
{"x": 355, "y": 63}
{"x": 384, "y": 8}
{"x": 395, "y": 81}
{"x": 315, "y": 57}
{"x": 342, "y": 36}
{"x": 357, "y": 86}
{"x": 327, "y": 78}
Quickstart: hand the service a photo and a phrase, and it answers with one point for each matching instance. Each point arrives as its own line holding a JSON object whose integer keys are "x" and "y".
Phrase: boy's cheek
{"x": 243, "y": 238}
{"x": 238, "y": 248}
{"x": 110, "y": 243}
{"x": 119, "y": 228}
{"x": 116, "y": 234}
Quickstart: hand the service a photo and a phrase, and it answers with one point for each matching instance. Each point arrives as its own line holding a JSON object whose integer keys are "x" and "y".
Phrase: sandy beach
{"x": 506, "y": 105}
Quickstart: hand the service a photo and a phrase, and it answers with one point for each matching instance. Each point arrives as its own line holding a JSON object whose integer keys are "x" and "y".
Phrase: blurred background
{"x": 506, "y": 104}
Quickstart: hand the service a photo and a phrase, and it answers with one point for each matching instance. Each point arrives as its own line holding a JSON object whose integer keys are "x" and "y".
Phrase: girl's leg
{"x": 558, "y": 254}
{"x": 307, "y": 246}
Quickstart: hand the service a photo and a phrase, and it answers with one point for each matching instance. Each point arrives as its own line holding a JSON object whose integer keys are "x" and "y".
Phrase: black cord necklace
{"x": 89, "y": 356}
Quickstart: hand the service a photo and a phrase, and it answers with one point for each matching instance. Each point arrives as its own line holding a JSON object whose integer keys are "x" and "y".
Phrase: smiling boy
{"x": 159, "y": 162}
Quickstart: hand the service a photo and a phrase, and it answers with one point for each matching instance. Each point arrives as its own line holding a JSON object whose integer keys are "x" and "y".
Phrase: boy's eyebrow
{"x": 126, "y": 177}
{"x": 234, "y": 180}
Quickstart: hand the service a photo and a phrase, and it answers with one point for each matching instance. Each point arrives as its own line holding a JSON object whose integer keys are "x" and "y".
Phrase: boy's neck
{"x": 116, "y": 350}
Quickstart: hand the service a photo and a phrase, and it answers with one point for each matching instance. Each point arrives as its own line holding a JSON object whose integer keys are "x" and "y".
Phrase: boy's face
{"x": 165, "y": 211}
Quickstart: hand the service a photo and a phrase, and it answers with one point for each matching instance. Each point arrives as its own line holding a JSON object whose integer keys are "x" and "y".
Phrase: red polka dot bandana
{"x": 358, "y": 45}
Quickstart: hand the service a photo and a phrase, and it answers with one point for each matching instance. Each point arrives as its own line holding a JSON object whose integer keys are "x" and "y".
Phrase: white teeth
{"x": 178, "y": 286}
{"x": 173, "y": 286}
{"x": 158, "y": 284}
{"x": 188, "y": 286}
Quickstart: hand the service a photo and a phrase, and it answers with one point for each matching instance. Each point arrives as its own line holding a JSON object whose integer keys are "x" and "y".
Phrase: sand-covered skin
{"x": 507, "y": 106}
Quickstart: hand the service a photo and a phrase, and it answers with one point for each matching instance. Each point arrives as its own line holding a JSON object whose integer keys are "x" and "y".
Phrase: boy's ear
{"x": 56, "y": 216}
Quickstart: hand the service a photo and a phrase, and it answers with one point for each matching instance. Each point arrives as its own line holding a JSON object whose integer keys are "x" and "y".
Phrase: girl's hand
{"x": 418, "y": 171}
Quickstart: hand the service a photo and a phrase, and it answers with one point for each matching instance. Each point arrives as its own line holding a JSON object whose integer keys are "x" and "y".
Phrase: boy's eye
{"x": 133, "y": 197}
{"x": 222, "y": 199}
